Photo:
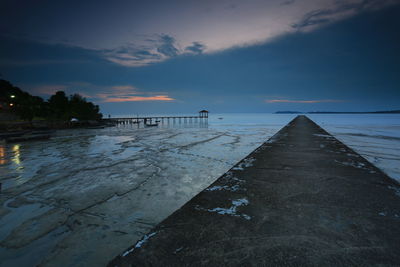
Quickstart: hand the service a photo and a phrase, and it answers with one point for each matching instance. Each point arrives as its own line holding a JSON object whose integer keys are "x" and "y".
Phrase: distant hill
{"x": 341, "y": 112}
{"x": 356, "y": 112}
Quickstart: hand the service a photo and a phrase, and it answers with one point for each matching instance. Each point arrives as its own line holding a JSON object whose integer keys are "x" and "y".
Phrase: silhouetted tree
{"x": 83, "y": 110}
{"x": 58, "y": 107}
{"x": 19, "y": 102}
{"x": 29, "y": 107}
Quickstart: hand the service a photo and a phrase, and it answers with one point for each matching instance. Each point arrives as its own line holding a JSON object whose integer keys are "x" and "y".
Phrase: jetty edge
{"x": 302, "y": 198}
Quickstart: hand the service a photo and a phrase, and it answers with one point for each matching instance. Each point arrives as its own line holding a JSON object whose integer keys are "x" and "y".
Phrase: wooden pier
{"x": 202, "y": 117}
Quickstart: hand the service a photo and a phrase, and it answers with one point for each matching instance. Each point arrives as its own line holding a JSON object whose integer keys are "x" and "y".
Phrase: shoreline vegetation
{"x": 20, "y": 111}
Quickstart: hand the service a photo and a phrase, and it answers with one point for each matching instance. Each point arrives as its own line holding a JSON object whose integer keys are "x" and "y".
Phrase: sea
{"x": 85, "y": 195}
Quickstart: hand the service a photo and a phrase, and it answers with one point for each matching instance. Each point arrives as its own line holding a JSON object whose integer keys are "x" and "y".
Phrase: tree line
{"x": 58, "y": 107}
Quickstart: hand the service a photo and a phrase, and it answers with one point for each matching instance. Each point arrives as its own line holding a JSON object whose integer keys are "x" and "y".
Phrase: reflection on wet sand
{"x": 2, "y": 155}
{"x": 15, "y": 155}
{"x": 16, "y": 158}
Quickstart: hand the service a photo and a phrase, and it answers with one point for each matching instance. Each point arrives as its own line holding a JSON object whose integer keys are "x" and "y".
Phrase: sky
{"x": 181, "y": 56}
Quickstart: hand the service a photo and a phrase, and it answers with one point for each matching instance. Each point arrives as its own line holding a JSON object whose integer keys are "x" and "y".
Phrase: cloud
{"x": 156, "y": 49}
{"x": 167, "y": 46}
{"x": 196, "y": 48}
{"x": 152, "y": 50}
{"x": 128, "y": 93}
{"x": 138, "y": 98}
{"x": 223, "y": 31}
{"x": 303, "y": 101}
{"x": 103, "y": 94}
{"x": 341, "y": 9}
{"x": 132, "y": 56}
{"x": 144, "y": 34}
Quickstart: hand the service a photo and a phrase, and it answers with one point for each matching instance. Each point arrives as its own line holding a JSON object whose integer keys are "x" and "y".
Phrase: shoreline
{"x": 15, "y": 126}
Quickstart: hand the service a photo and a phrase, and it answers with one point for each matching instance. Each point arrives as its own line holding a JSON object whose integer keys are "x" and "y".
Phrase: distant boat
{"x": 158, "y": 121}
{"x": 220, "y": 118}
{"x": 151, "y": 124}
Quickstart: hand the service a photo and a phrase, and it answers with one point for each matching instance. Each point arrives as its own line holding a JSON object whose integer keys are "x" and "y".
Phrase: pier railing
{"x": 158, "y": 119}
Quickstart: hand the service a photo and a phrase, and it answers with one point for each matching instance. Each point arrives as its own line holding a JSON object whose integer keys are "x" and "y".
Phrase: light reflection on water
{"x": 2, "y": 155}
{"x": 11, "y": 165}
{"x": 14, "y": 155}
{"x": 16, "y": 158}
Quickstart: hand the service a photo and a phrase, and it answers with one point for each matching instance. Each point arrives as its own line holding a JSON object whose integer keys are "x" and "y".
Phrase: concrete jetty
{"x": 302, "y": 198}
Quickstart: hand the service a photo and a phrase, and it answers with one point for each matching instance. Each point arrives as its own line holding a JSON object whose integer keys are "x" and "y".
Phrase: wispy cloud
{"x": 128, "y": 93}
{"x": 138, "y": 98}
{"x": 222, "y": 34}
{"x": 154, "y": 49}
{"x": 150, "y": 34}
{"x": 167, "y": 47}
{"x": 133, "y": 56}
{"x": 303, "y": 101}
{"x": 196, "y": 48}
{"x": 104, "y": 94}
{"x": 340, "y": 10}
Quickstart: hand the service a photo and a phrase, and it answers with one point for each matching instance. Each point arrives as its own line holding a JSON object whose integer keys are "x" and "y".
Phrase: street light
{"x": 11, "y": 104}
{"x": 12, "y": 96}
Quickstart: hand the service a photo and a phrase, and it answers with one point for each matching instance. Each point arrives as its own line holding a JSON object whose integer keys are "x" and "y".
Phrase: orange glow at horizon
{"x": 139, "y": 98}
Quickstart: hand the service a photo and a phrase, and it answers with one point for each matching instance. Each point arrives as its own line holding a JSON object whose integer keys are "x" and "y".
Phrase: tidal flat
{"x": 83, "y": 196}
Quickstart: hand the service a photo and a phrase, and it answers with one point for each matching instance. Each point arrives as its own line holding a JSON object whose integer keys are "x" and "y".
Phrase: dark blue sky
{"x": 341, "y": 57}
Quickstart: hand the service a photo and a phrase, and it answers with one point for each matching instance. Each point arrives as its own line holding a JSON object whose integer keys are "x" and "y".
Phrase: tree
{"x": 83, "y": 110}
{"x": 19, "y": 102}
{"x": 29, "y": 107}
{"x": 59, "y": 106}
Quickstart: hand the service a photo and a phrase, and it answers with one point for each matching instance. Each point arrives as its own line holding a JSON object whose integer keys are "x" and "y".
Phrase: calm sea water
{"x": 84, "y": 196}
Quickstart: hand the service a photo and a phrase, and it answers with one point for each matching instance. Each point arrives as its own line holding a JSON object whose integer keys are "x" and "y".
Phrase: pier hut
{"x": 203, "y": 113}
